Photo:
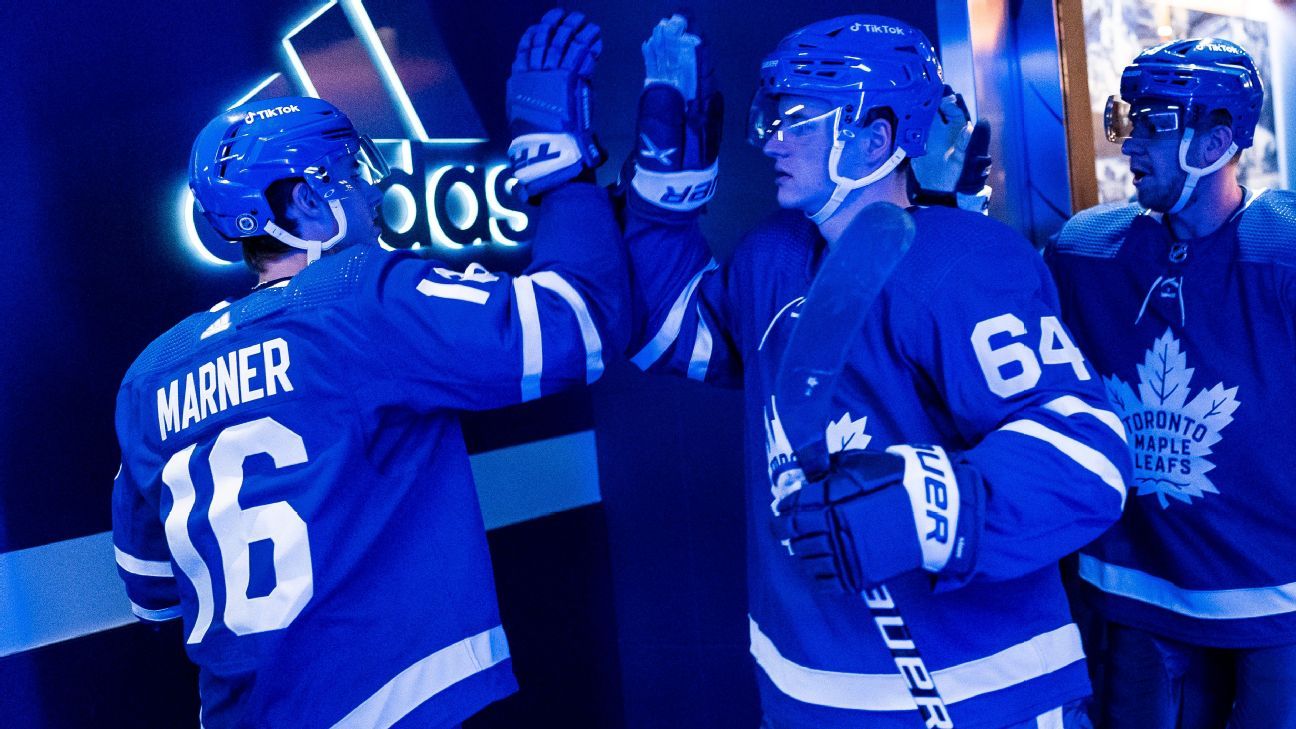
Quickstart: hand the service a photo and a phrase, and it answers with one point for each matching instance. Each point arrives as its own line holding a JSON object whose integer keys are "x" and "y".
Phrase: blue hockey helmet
{"x": 241, "y": 152}
{"x": 860, "y": 63}
{"x": 1170, "y": 88}
{"x": 1199, "y": 75}
{"x": 856, "y": 63}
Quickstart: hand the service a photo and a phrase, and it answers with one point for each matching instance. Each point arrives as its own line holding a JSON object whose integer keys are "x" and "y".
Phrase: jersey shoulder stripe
{"x": 1267, "y": 230}
{"x": 1098, "y": 232}
{"x": 331, "y": 279}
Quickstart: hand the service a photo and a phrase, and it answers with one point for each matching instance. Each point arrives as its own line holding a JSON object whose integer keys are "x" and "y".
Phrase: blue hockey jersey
{"x": 962, "y": 349}
{"x": 295, "y": 485}
{"x": 1196, "y": 343}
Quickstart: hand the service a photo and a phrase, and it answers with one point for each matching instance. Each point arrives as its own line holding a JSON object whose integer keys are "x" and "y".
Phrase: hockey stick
{"x": 829, "y": 322}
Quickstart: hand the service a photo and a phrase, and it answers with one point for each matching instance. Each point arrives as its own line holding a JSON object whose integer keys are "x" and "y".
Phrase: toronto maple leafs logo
{"x": 786, "y": 477}
{"x": 1171, "y": 435}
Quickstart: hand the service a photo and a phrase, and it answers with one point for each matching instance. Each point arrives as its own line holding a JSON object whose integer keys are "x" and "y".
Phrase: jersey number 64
{"x": 1013, "y": 367}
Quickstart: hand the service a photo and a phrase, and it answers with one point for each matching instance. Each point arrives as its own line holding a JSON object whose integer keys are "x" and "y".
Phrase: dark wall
{"x": 102, "y": 104}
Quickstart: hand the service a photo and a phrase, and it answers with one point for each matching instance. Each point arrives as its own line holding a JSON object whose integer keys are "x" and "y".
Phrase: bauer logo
{"x": 449, "y": 190}
{"x": 1171, "y": 434}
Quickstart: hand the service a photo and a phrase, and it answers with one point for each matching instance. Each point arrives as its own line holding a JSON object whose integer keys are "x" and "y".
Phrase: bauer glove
{"x": 548, "y": 102}
{"x": 957, "y": 164}
{"x": 878, "y": 515}
{"x": 674, "y": 167}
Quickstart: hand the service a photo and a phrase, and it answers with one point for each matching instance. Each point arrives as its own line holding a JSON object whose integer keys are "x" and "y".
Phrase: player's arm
{"x": 1043, "y": 472}
{"x": 681, "y": 323}
{"x": 473, "y": 339}
{"x": 139, "y": 542}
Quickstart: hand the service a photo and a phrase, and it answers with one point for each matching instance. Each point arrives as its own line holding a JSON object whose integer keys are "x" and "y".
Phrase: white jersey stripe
{"x": 670, "y": 328}
{"x": 1237, "y": 603}
{"x": 1088, "y": 458}
{"x": 156, "y": 616}
{"x": 427, "y": 678}
{"x": 1050, "y": 720}
{"x": 589, "y": 333}
{"x": 1069, "y": 405}
{"x": 1041, "y": 655}
{"x": 532, "y": 345}
{"x": 142, "y": 567}
{"x": 458, "y": 292}
{"x": 701, "y": 357}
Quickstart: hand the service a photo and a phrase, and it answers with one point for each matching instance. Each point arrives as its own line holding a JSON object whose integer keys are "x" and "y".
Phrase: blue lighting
{"x": 364, "y": 28}
{"x": 516, "y": 219}
{"x": 399, "y": 209}
{"x": 434, "y": 226}
{"x": 303, "y": 79}
{"x": 189, "y": 232}
{"x": 255, "y": 90}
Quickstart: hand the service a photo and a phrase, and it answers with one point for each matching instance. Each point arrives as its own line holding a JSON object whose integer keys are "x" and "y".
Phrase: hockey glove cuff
{"x": 879, "y": 515}
{"x": 548, "y": 102}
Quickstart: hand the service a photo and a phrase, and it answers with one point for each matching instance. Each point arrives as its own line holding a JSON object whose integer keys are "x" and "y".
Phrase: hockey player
{"x": 963, "y": 350}
{"x": 294, "y": 483}
{"x": 1183, "y": 301}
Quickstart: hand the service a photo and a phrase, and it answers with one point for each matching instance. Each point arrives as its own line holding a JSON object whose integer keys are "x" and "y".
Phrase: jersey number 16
{"x": 237, "y": 528}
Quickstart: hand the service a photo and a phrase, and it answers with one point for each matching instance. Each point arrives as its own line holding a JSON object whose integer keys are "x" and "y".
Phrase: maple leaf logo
{"x": 1171, "y": 434}
{"x": 848, "y": 435}
{"x": 785, "y": 474}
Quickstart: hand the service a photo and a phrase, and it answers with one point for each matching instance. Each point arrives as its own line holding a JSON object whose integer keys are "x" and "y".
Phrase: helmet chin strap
{"x": 313, "y": 248}
{"x": 1196, "y": 173}
{"x": 847, "y": 185}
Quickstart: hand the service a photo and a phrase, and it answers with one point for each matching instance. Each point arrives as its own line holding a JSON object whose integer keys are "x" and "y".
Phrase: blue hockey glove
{"x": 673, "y": 170}
{"x": 878, "y": 515}
{"x": 548, "y": 102}
{"x": 957, "y": 164}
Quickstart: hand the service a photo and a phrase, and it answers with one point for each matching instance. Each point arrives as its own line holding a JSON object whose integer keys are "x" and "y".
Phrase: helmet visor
{"x": 788, "y": 117}
{"x": 1151, "y": 120}
{"x": 373, "y": 166}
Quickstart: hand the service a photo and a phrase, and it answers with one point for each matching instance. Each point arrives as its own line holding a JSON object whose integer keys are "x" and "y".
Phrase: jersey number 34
{"x": 237, "y": 528}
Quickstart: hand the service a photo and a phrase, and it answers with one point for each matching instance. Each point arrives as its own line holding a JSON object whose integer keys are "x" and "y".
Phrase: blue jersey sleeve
{"x": 472, "y": 339}
{"x": 682, "y": 318}
{"x": 139, "y": 542}
{"x": 1047, "y": 463}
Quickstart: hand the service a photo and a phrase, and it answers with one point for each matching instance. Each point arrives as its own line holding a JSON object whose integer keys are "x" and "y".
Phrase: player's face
{"x": 800, "y": 152}
{"x": 1158, "y": 179}
{"x": 1153, "y": 150}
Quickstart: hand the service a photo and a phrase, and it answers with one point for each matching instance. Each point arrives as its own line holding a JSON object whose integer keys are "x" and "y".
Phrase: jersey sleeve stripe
{"x": 427, "y": 678}
{"x": 1043, "y": 654}
{"x": 142, "y": 567}
{"x": 1069, "y": 405}
{"x": 1230, "y": 604}
{"x": 156, "y": 616}
{"x": 458, "y": 292}
{"x": 589, "y": 332}
{"x": 670, "y": 328}
{"x": 532, "y": 346}
{"x": 701, "y": 356}
{"x": 1088, "y": 458}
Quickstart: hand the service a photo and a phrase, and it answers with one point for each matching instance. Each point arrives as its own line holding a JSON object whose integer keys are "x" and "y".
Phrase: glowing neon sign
{"x": 442, "y": 192}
